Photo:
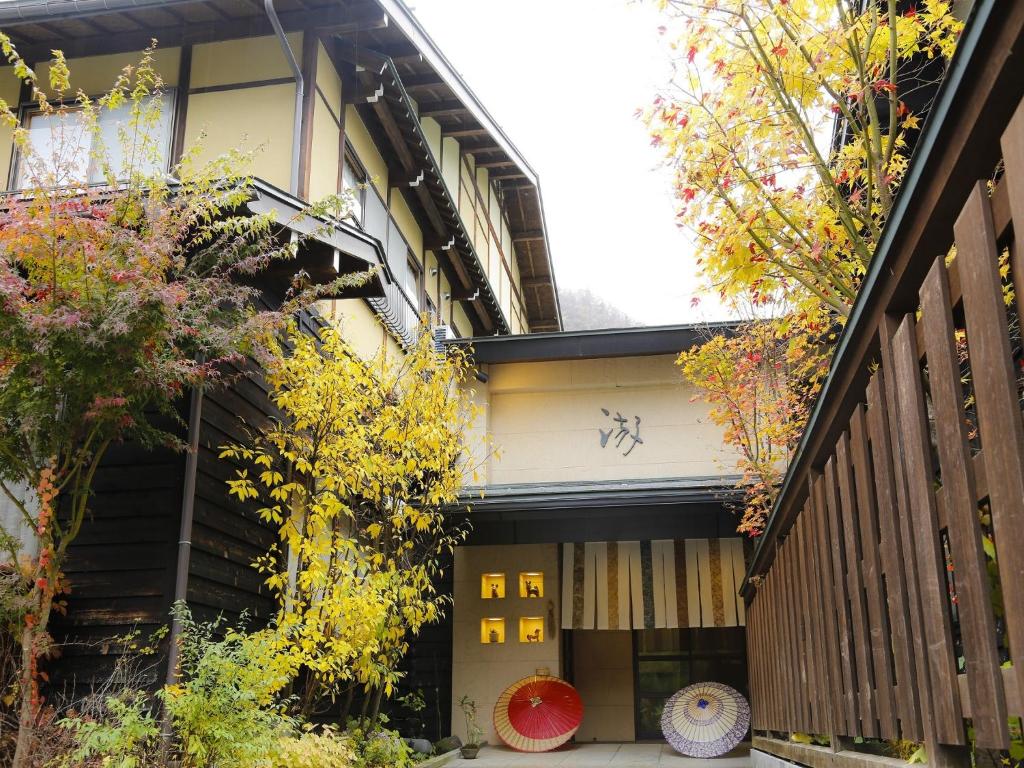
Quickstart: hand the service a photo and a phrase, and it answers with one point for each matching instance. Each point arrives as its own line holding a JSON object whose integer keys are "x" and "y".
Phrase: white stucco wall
{"x": 545, "y": 420}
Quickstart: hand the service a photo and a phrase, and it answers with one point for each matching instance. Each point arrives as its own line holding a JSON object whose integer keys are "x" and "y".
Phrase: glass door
{"x": 667, "y": 660}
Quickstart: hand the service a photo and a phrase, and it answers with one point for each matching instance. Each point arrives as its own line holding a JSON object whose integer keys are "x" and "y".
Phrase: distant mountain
{"x": 583, "y": 310}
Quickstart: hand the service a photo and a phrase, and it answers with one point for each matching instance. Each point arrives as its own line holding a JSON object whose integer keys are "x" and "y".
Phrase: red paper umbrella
{"x": 538, "y": 713}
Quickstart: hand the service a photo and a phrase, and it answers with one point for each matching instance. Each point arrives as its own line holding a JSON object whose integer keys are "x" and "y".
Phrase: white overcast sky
{"x": 564, "y": 78}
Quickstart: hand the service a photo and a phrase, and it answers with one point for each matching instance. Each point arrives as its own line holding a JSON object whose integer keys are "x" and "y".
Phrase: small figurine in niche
{"x": 533, "y": 637}
{"x": 532, "y": 590}
{"x": 493, "y": 636}
{"x": 494, "y": 590}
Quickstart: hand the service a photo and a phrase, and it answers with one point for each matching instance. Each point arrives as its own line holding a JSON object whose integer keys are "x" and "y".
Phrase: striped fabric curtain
{"x": 662, "y": 584}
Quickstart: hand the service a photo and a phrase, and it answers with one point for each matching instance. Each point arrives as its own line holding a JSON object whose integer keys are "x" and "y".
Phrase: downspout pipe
{"x": 300, "y": 89}
{"x": 188, "y": 503}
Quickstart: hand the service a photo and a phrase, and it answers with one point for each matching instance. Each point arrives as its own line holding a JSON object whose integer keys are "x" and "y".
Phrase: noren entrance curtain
{"x": 661, "y": 584}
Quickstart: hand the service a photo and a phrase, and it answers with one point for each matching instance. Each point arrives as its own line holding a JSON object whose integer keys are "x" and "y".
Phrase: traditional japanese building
{"x": 602, "y": 549}
{"x": 335, "y": 95}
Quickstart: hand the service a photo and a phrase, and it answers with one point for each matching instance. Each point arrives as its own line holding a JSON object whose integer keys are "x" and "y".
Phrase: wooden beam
{"x": 536, "y": 282}
{"x": 495, "y": 163}
{"x": 360, "y": 56}
{"x": 463, "y": 133}
{"x": 395, "y": 136}
{"x": 178, "y": 34}
{"x": 440, "y": 108}
{"x": 465, "y": 294}
{"x": 436, "y": 243}
{"x": 376, "y": 20}
{"x": 487, "y": 147}
{"x": 527, "y": 234}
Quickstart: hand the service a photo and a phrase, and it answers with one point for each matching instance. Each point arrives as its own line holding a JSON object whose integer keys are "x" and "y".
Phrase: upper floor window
{"x": 353, "y": 179}
{"x": 413, "y": 285}
{"x": 64, "y": 151}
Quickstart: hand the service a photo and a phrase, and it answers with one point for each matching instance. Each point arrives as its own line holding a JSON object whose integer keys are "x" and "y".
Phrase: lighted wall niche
{"x": 492, "y": 630}
{"x": 531, "y": 584}
{"x": 492, "y": 586}
{"x": 531, "y": 629}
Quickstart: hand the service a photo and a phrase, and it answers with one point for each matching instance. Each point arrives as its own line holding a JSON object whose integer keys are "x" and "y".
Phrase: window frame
{"x": 27, "y": 108}
{"x": 351, "y": 161}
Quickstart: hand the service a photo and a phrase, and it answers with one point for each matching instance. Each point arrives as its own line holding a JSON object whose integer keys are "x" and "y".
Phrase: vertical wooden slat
{"x": 778, "y": 656}
{"x": 931, "y": 567}
{"x": 861, "y": 637}
{"x": 1012, "y": 144}
{"x": 871, "y": 573}
{"x": 833, "y": 677}
{"x": 977, "y": 625}
{"x": 806, "y": 691}
{"x": 812, "y": 592}
{"x": 842, "y": 604}
{"x": 771, "y": 655}
{"x": 784, "y": 595}
{"x": 752, "y": 672}
{"x": 999, "y": 414}
{"x": 893, "y": 562}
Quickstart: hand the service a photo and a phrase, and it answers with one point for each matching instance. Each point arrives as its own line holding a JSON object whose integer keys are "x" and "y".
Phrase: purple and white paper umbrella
{"x": 705, "y": 719}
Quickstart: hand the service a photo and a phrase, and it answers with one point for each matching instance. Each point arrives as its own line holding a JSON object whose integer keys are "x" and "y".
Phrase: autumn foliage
{"x": 355, "y": 477}
{"x": 789, "y": 125}
{"x": 116, "y": 296}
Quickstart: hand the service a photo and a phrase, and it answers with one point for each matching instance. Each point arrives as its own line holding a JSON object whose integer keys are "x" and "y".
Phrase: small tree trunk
{"x": 375, "y": 707}
{"x": 26, "y": 720}
{"x": 346, "y": 708}
{"x": 30, "y": 637}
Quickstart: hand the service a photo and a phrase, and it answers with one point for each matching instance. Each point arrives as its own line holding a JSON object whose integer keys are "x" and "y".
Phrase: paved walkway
{"x": 600, "y": 755}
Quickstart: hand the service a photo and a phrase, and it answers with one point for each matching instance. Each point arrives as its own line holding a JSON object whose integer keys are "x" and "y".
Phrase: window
{"x": 431, "y": 310}
{"x": 353, "y": 178}
{"x": 667, "y": 660}
{"x": 64, "y": 152}
{"x": 411, "y": 284}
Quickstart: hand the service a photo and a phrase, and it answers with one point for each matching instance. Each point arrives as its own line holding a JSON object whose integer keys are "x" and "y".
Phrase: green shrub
{"x": 313, "y": 750}
{"x": 379, "y": 748}
{"x": 124, "y": 735}
{"x": 226, "y": 710}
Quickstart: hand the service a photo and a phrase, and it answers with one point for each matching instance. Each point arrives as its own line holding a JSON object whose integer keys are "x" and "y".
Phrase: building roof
{"x": 581, "y": 345}
{"x": 384, "y": 27}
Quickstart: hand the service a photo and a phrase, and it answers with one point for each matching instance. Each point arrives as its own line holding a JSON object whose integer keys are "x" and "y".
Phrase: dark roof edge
{"x": 580, "y": 345}
{"x": 411, "y": 28}
{"x": 41, "y": 11}
{"x": 613, "y": 493}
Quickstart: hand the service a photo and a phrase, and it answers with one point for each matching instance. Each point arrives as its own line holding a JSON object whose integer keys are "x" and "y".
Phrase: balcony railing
{"x": 396, "y": 308}
{"x": 886, "y": 598}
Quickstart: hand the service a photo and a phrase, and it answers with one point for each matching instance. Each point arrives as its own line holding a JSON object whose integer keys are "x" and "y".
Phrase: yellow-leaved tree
{"x": 789, "y": 125}
{"x": 355, "y": 475}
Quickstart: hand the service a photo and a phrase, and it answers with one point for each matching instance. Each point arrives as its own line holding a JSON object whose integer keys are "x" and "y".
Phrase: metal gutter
{"x": 282, "y": 38}
{"x": 953, "y": 85}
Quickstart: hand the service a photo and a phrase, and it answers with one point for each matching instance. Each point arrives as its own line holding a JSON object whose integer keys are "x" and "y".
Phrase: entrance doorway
{"x": 666, "y": 660}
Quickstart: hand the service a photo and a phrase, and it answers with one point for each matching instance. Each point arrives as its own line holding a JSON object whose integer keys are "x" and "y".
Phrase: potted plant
{"x": 474, "y": 734}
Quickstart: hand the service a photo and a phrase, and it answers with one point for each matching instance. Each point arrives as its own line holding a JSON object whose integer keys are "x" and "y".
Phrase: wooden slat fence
{"x": 888, "y": 600}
